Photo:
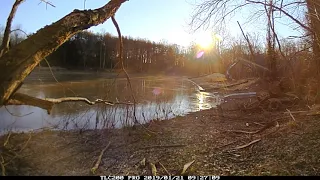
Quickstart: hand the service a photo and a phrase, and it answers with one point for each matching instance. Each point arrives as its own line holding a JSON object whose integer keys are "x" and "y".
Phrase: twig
{"x": 245, "y": 132}
{"x": 291, "y": 115}
{"x": 164, "y": 168}
{"x": 47, "y": 3}
{"x": 7, "y": 140}
{"x": 296, "y": 112}
{"x": 20, "y": 31}
{"x": 254, "y": 132}
{"x": 226, "y": 144}
{"x": 97, "y": 164}
{"x": 258, "y": 123}
{"x": 54, "y": 77}
{"x": 246, "y": 145}
{"x": 164, "y": 146}
{"x": 12, "y": 114}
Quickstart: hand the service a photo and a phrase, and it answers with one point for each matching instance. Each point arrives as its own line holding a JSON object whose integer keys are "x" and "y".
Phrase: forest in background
{"x": 98, "y": 52}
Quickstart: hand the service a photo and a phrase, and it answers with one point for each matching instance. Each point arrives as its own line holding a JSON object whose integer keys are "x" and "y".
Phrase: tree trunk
{"x": 314, "y": 20}
{"x": 19, "y": 61}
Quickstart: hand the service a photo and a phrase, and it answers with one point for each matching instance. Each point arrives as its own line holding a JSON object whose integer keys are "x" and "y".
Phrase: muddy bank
{"x": 237, "y": 143}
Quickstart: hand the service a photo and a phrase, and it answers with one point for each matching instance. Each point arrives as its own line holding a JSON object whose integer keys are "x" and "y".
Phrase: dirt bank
{"x": 237, "y": 143}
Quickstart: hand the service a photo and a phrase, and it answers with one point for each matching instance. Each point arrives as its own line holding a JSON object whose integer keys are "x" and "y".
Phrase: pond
{"x": 157, "y": 98}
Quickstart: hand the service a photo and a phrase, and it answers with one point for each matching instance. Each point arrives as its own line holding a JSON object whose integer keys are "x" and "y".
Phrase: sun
{"x": 205, "y": 41}
{"x": 208, "y": 40}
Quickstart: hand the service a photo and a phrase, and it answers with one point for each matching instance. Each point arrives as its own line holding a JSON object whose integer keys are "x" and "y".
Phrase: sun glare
{"x": 208, "y": 40}
{"x": 205, "y": 41}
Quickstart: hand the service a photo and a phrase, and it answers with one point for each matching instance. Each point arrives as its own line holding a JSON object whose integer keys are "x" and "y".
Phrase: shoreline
{"x": 214, "y": 142}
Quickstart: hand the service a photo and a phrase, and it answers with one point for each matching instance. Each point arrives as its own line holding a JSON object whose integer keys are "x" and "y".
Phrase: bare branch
{"x": 284, "y": 12}
{"x": 247, "y": 39}
{"x": 6, "y": 36}
{"x": 70, "y": 99}
{"x": 47, "y": 103}
{"x": 47, "y": 3}
{"x": 217, "y": 9}
{"x": 12, "y": 114}
{"x": 122, "y": 65}
{"x": 20, "y": 30}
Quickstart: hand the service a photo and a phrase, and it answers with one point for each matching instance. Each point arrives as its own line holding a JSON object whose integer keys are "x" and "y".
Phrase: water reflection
{"x": 157, "y": 98}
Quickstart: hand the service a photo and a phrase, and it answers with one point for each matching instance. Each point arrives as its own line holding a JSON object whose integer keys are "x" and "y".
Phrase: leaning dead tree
{"x": 18, "y": 62}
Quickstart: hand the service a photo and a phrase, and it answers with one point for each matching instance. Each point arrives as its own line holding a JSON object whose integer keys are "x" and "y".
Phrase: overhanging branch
{"x": 19, "y": 61}
{"x": 48, "y": 103}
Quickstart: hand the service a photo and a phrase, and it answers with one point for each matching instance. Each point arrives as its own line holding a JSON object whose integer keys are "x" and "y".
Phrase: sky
{"x": 155, "y": 20}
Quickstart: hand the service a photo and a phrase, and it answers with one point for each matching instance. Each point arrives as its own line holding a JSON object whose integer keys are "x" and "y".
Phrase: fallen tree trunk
{"x": 17, "y": 63}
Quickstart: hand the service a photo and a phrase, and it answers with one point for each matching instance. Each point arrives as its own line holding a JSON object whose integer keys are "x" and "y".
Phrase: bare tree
{"x": 218, "y": 12}
{"x": 17, "y": 63}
